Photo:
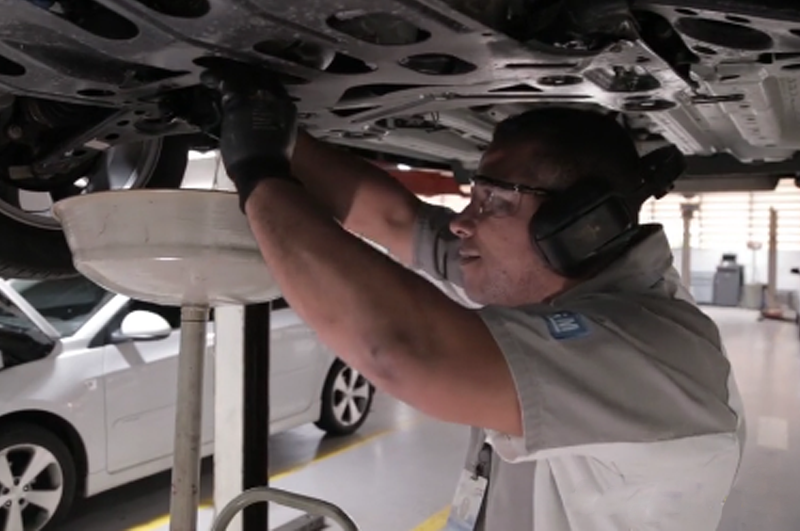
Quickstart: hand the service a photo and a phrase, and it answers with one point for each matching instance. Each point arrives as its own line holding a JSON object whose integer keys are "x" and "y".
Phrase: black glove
{"x": 259, "y": 127}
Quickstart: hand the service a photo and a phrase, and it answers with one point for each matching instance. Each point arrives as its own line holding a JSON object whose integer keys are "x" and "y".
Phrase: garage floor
{"x": 398, "y": 473}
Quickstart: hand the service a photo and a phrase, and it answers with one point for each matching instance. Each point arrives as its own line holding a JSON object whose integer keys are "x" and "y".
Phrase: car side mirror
{"x": 141, "y": 325}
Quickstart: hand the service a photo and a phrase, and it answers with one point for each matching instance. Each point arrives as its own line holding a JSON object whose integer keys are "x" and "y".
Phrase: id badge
{"x": 467, "y": 502}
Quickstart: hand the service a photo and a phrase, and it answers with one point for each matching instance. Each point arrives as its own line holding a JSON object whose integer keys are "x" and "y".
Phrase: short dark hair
{"x": 572, "y": 144}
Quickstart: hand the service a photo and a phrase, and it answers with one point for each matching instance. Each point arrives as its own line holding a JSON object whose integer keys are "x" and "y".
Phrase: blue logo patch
{"x": 566, "y": 325}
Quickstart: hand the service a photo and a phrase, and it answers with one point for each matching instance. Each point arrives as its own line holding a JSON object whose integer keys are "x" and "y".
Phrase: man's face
{"x": 498, "y": 263}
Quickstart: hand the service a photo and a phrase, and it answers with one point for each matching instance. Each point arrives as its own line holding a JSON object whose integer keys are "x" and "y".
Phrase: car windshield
{"x": 13, "y": 319}
{"x": 66, "y": 303}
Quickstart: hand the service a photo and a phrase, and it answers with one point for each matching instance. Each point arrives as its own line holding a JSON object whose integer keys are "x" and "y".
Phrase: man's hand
{"x": 360, "y": 195}
{"x": 259, "y": 127}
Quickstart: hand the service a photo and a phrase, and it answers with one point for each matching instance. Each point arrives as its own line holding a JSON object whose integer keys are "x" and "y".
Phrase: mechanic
{"x": 599, "y": 396}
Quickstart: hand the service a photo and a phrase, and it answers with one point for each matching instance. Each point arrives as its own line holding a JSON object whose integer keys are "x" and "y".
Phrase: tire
{"x": 34, "y": 249}
{"x": 18, "y": 444}
{"x": 344, "y": 385}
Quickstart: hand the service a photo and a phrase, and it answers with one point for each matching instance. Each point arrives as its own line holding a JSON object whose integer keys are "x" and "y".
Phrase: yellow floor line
{"x": 334, "y": 453}
{"x": 154, "y": 524}
{"x": 163, "y": 521}
{"x": 435, "y": 522}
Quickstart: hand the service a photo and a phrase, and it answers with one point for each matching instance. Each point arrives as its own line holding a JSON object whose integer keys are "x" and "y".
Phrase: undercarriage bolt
{"x": 7, "y": 505}
{"x": 14, "y": 132}
{"x": 26, "y": 488}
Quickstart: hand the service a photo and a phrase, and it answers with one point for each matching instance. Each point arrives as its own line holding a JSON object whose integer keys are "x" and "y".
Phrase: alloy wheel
{"x": 121, "y": 167}
{"x": 31, "y": 487}
{"x": 351, "y": 393}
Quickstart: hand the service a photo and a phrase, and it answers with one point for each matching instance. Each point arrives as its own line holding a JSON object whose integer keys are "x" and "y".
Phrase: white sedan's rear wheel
{"x": 37, "y": 478}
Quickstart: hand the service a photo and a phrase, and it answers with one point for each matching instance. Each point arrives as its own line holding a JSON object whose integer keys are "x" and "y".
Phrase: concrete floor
{"x": 398, "y": 473}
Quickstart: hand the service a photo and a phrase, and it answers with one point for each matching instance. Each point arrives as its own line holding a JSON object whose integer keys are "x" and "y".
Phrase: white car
{"x": 88, "y": 390}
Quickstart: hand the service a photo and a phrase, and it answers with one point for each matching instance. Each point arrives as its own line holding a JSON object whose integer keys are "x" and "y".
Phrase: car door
{"x": 295, "y": 362}
{"x": 141, "y": 392}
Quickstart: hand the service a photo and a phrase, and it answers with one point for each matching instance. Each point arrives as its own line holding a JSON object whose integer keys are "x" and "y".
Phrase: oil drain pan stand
{"x": 193, "y": 249}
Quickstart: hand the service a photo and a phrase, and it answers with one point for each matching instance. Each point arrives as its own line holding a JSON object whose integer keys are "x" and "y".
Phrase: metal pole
{"x": 255, "y": 439}
{"x": 772, "y": 261}
{"x": 185, "y": 497}
{"x": 687, "y": 212}
{"x": 686, "y": 254}
{"x": 255, "y": 444}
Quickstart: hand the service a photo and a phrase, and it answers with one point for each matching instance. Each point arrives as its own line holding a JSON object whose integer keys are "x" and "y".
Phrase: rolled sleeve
{"x": 581, "y": 381}
{"x": 435, "y": 252}
{"x": 435, "y": 245}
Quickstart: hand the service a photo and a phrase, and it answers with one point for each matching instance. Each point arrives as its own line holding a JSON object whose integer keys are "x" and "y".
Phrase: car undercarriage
{"x": 106, "y": 94}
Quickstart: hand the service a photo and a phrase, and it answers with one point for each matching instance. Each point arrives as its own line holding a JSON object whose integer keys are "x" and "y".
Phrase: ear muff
{"x": 569, "y": 229}
{"x": 590, "y": 221}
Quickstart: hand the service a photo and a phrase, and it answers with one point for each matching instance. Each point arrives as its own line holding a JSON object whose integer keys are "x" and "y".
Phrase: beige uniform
{"x": 632, "y": 419}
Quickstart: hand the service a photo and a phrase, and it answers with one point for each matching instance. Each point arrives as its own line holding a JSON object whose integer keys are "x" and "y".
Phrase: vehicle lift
{"x": 194, "y": 249}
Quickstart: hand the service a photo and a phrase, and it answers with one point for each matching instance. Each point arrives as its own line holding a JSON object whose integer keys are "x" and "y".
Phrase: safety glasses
{"x": 500, "y": 199}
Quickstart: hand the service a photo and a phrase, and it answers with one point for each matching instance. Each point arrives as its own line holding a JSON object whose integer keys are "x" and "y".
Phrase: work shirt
{"x": 631, "y": 416}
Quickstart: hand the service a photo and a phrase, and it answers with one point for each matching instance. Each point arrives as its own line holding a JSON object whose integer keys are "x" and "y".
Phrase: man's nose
{"x": 463, "y": 223}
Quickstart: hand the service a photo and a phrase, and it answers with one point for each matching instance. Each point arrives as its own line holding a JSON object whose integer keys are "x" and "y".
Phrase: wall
{"x": 726, "y": 222}
{"x": 704, "y": 260}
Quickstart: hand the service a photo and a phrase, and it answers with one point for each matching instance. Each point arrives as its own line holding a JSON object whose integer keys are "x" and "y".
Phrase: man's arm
{"x": 363, "y": 197}
{"x": 389, "y": 323}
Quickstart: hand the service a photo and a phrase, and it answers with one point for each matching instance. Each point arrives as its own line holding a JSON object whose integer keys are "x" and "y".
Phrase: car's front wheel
{"x": 346, "y": 400}
{"x": 37, "y": 478}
